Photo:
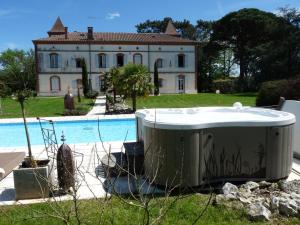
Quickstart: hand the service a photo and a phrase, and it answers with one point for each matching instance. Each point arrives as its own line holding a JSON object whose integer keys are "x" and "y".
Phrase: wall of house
{"x": 68, "y": 72}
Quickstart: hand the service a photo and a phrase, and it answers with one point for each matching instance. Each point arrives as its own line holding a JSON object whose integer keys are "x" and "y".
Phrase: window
{"x": 54, "y": 83}
{"x": 181, "y": 58}
{"x": 120, "y": 60}
{"x": 53, "y": 60}
{"x": 137, "y": 59}
{"x": 102, "y": 60}
{"x": 181, "y": 84}
{"x": 78, "y": 62}
{"x": 79, "y": 83}
{"x": 160, "y": 82}
{"x": 159, "y": 63}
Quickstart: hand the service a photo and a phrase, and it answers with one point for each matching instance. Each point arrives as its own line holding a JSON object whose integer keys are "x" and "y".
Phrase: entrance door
{"x": 181, "y": 84}
{"x": 101, "y": 84}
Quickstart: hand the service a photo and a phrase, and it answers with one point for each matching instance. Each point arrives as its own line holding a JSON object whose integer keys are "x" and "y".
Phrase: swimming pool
{"x": 79, "y": 131}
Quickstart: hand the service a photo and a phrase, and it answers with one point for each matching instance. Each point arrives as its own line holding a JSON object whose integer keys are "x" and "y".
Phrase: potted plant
{"x": 32, "y": 178}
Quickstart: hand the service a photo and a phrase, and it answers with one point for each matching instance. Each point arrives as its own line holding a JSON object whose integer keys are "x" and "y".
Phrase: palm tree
{"x": 134, "y": 80}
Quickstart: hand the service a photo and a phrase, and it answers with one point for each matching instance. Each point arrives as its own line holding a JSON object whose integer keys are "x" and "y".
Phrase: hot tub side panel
{"x": 195, "y": 157}
{"x": 279, "y": 151}
{"x": 172, "y": 157}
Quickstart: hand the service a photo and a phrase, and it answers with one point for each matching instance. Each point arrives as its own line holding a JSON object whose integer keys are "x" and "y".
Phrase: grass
{"x": 184, "y": 211}
{"x": 41, "y": 107}
{"x": 193, "y": 100}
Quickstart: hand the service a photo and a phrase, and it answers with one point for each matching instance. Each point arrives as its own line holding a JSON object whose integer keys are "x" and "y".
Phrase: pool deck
{"x": 90, "y": 186}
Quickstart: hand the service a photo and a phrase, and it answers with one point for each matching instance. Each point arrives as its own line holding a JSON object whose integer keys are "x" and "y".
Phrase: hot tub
{"x": 196, "y": 146}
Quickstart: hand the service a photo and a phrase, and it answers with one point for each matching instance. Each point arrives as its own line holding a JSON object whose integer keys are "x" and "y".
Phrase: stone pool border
{"x": 70, "y": 118}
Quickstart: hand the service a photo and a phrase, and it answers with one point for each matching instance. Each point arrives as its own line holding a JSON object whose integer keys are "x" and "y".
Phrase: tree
{"x": 156, "y": 80}
{"x": 263, "y": 44}
{"x": 11, "y": 58}
{"x": 132, "y": 81}
{"x": 19, "y": 74}
{"x": 291, "y": 15}
{"x": 84, "y": 75}
{"x": 185, "y": 28}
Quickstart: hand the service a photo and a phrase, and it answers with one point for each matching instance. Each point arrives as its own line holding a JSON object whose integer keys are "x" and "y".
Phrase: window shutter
{"x": 40, "y": 58}
{"x": 48, "y": 60}
{"x": 186, "y": 62}
{"x": 176, "y": 61}
{"x": 97, "y": 65}
{"x": 97, "y": 82}
{"x": 125, "y": 59}
{"x": 107, "y": 65}
{"x": 114, "y": 60}
{"x": 60, "y": 65}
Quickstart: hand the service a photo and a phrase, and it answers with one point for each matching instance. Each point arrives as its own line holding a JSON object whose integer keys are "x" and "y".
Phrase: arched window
{"x": 120, "y": 60}
{"x": 159, "y": 63}
{"x": 181, "y": 60}
{"x": 53, "y": 60}
{"x": 55, "y": 83}
{"x": 102, "y": 60}
{"x": 137, "y": 58}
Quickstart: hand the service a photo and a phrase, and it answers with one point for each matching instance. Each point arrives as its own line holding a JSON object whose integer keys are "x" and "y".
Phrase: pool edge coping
{"x": 69, "y": 118}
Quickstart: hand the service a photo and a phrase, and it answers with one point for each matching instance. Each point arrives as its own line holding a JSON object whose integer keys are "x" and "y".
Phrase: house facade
{"x": 58, "y": 58}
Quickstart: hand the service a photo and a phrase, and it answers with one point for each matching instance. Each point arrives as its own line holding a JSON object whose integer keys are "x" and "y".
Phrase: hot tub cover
{"x": 210, "y": 117}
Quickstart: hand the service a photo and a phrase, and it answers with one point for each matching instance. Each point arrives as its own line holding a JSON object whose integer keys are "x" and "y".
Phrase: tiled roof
{"x": 58, "y": 27}
{"x": 171, "y": 30}
{"x": 115, "y": 38}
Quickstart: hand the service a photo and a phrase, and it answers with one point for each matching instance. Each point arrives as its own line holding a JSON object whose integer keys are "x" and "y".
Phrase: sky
{"x": 22, "y": 21}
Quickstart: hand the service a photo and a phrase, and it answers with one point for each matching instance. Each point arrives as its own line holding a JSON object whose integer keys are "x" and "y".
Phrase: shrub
{"x": 270, "y": 92}
{"x": 225, "y": 86}
{"x": 92, "y": 94}
{"x": 293, "y": 90}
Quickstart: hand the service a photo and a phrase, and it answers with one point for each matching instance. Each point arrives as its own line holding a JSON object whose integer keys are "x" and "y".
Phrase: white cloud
{"x": 111, "y": 16}
{"x": 11, "y": 45}
{"x": 5, "y": 12}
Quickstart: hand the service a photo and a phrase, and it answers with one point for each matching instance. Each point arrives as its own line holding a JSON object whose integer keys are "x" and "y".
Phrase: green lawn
{"x": 193, "y": 100}
{"x": 183, "y": 212}
{"x": 40, "y": 107}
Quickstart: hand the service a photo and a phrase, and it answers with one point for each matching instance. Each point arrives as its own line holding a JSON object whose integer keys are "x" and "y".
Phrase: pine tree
{"x": 156, "y": 80}
{"x": 85, "y": 83}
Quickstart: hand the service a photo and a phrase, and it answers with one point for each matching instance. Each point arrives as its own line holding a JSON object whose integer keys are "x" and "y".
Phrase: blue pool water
{"x": 13, "y": 134}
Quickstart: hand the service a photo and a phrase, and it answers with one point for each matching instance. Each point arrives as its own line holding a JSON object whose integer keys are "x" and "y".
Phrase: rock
{"x": 258, "y": 212}
{"x": 286, "y": 210}
{"x": 295, "y": 196}
{"x": 282, "y": 185}
{"x": 264, "y": 184}
{"x": 250, "y": 185}
{"x": 273, "y": 187}
{"x": 293, "y": 186}
{"x": 274, "y": 203}
{"x": 230, "y": 189}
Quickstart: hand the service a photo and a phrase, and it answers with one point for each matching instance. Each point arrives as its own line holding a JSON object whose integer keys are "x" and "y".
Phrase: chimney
{"x": 90, "y": 33}
{"x": 66, "y": 32}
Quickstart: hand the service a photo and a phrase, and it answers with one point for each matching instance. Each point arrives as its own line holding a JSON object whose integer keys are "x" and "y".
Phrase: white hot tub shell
{"x": 196, "y": 146}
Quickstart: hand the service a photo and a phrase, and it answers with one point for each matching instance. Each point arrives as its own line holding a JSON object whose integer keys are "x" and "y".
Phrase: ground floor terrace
{"x": 58, "y": 84}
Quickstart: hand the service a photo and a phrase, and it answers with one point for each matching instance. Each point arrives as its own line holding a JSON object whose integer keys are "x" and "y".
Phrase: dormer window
{"x": 102, "y": 60}
{"x": 159, "y": 63}
{"x": 137, "y": 58}
{"x": 53, "y": 60}
{"x": 181, "y": 59}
